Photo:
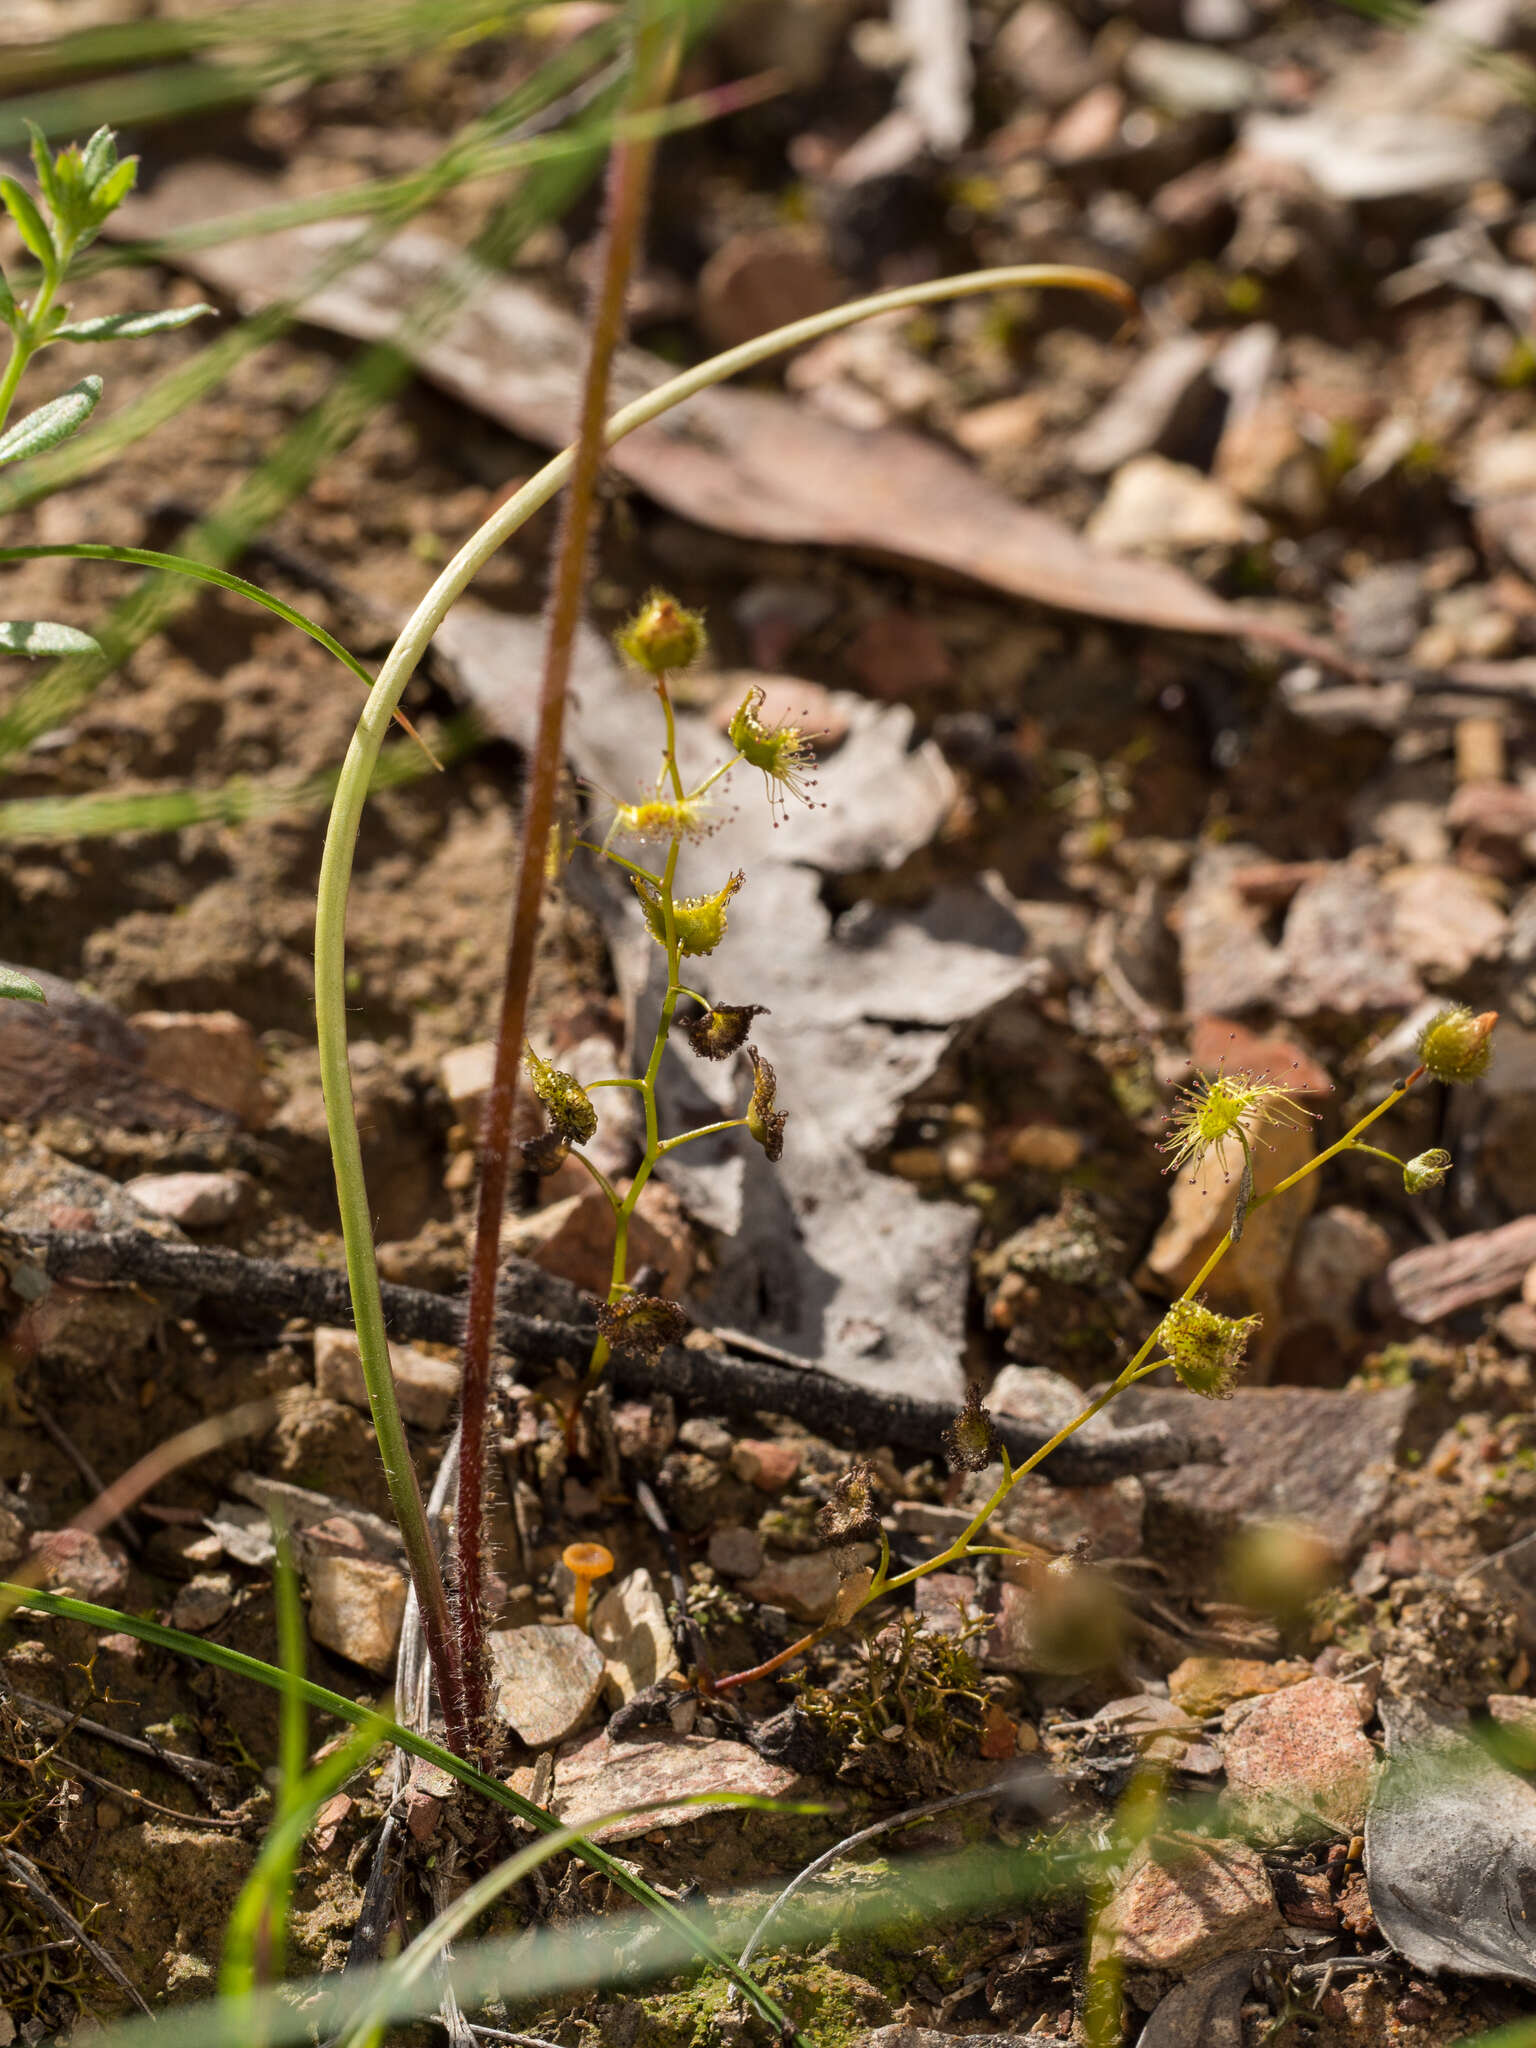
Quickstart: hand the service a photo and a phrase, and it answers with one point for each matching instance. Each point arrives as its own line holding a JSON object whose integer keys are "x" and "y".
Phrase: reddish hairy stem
{"x": 628, "y": 185}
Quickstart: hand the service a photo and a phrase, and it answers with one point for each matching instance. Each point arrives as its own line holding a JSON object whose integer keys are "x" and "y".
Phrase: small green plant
{"x": 78, "y": 190}
{"x": 1221, "y": 1117}
{"x": 663, "y": 639}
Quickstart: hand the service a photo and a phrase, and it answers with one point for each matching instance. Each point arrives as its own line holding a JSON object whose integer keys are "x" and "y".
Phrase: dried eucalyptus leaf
{"x": 1206, "y": 2011}
{"x": 1450, "y": 1851}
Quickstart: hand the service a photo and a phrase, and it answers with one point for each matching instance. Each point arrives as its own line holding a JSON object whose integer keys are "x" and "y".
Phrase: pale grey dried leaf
{"x": 1450, "y": 1851}
{"x": 1206, "y": 2010}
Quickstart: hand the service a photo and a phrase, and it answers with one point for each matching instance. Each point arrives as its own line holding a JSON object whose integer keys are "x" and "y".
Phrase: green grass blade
{"x": 50, "y": 819}
{"x": 202, "y": 572}
{"x": 239, "y": 1665}
{"x": 254, "y": 1937}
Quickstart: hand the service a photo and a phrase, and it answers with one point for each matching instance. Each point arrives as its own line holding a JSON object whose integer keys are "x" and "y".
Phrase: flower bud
{"x": 643, "y": 1323}
{"x": 1456, "y": 1046}
{"x": 970, "y": 1442}
{"x": 1205, "y": 1349}
{"x": 722, "y": 1030}
{"x": 567, "y": 1102}
{"x": 700, "y": 921}
{"x": 764, "y": 1122}
{"x": 851, "y": 1514}
{"x": 1427, "y": 1170}
{"x": 662, "y": 635}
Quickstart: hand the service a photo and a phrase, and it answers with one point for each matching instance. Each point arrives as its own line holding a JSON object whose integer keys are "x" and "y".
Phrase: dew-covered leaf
{"x": 53, "y": 422}
{"x": 41, "y": 637}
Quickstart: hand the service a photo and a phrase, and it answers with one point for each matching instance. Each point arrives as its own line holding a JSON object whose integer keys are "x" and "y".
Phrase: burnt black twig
{"x": 543, "y": 1323}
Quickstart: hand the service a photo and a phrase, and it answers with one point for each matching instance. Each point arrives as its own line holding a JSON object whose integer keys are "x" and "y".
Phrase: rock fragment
{"x": 193, "y": 1201}
{"x": 425, "y": 1387}
{"x": 599, "y": 1775}
{"x": 547, "y": 1678}
{"x": 1297, "y": 1759}
{"x": 211, "y": 1054}
{"x": 91, "y": 1567}
{"x": 1183, "y": 1902}
{"x": 356, "y": 1608}
{"x": 630, "y": 1627}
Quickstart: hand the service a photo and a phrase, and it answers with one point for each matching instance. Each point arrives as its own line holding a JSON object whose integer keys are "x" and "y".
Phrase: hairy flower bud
{"x": 970, "y": 1441}
{"x": 765, "y": 1123}
{"x": 700, "y": 920}
{"x": 1205, "y": 1349}
{"x": 1456, "y": 1046}
{"x": 851, "y": 1514}
{"x": 568, "y": 1103}
{"x": 1427, "y": 1170}
{"x": 662, "y": 635}
{"x": 723, "y": 1030}
{"x": 643, "y": 1323}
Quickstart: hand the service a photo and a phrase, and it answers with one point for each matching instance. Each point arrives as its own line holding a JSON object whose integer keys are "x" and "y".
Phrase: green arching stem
{"x": 204, "y": 1651}
{"x": 1140, "y": 1365}
{"x": 346, "y": 817}
{"x": 24, "y": 337}
{"x": 731, "y": 1123}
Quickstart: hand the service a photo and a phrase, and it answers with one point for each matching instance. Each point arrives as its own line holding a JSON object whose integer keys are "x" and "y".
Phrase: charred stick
{"x": 702, "y": 1382}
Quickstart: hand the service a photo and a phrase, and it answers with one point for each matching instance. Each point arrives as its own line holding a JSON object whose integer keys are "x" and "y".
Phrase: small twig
{"x": 68, "y": 1768}
{"x": 53, "y": 1429}
{"x": 26, "y": 1873}
{"x": 702, "y": 1382}
{"x": 193, "y": 1770}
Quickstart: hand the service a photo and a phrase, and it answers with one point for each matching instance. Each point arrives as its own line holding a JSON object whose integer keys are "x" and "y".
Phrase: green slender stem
{"x": 601, "y": 1178}
{"x": 607, "y": 853}
{"x": 1376, "y": 1153}
{"x": 733, "y": 1123}
{"x": 615, "y": 1081}
{"x": 352, "y": 793}
{"x": 21, "y": 355}
{"x": 1138, "y": 1367}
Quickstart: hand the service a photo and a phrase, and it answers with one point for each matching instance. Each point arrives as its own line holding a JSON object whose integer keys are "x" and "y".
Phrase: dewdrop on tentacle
{"x": 782, "y": 753}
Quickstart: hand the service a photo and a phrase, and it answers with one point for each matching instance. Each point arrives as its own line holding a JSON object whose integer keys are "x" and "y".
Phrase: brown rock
{"x": 1182, "y": 1903}
{"x": 574, "y": 1239}
{"x": 1207, "y": 1685}
{"x": 1298, "y": 1757}
{"x": 602, "y": 1776}
{"x": 203, "y": 1602}
{"x": 629, "y": 1626}
{"x": 193, "y": 1201}
{"x": 770, "y": 1464}
{"x": 211, "y": 1054}
{"x": 1263, "y": 457}
{"x": 1308, "y": 1454}
{"x": 547, "y": 1680}
{"x": 1306, "y": 1899}
{"x": 1438, "y": 1279}
{"x": 91, "y": 1567}
{"x": 804, "y": 1586}
{"x": 425, "y": 1387}
{"x": 1338, "y": 1254}
{"x": 1107, "y": 1518}
{"x": 1090, "y": 127}
{"x": 946, "y": 1601}
{"x": 736, "y": 1553}
{"x": 356, "y": 1608}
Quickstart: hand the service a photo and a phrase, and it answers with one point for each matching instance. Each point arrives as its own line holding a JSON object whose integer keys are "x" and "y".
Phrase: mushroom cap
{"x": 587, "y": 1560}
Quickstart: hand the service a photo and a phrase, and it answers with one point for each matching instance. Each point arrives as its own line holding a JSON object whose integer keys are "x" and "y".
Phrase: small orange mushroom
{"x": 585, "y": 1562}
